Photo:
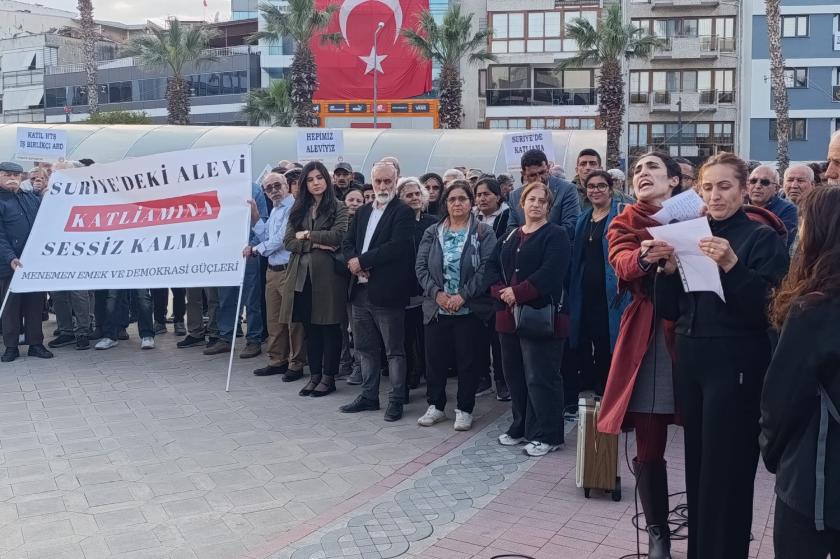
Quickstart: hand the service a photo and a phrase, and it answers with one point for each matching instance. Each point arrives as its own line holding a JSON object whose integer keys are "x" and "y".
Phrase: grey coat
{"x": 477, "y": 271}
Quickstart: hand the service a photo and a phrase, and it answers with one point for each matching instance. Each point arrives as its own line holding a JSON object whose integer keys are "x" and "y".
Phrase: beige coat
{"x": 329, "y": 289}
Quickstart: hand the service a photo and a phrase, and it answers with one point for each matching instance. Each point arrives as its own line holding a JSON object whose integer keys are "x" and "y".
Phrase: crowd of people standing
{"x": 547, "y": 291}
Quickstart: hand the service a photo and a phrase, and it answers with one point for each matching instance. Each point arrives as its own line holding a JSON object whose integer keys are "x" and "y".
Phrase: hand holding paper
{"x": 698, "y": 271}
{"x": 682, "y": 207}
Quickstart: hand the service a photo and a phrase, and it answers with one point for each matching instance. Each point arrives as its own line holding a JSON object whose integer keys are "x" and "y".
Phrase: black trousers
{"x": 595, "y": 355}
{"x": 323, "y": 348}
{"x": 415, "y": 340}
{"x": 532, "y": 372}
{"x": 160, "y": 302}
{"x": 466, "y": 338}
{"x": 26, "y": 306}
{"x": 796, "y": 537}
{"x": 719, "y": 384}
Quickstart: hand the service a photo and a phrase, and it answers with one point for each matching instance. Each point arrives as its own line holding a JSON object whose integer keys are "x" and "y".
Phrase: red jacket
{"x": 625, "y": 236}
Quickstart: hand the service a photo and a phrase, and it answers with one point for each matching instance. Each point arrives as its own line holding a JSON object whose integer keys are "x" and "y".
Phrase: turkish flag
{"x": 346, "y": 71}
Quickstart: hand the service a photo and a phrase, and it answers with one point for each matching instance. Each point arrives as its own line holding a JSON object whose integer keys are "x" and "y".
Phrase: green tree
{"x": 119, "y": 117}
{"x": 778, "y": 87}
{"x": 448, "y": 44}
{"x": 605, "y": 47}
{"x": 299, "y": 21}
{"x": 174, "y": 48}
{"x": 88, "y": 29}
{"x": 271, "y": 104}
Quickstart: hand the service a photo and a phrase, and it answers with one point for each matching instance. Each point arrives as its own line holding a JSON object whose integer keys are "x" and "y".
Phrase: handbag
{"x": 534, "y": 322}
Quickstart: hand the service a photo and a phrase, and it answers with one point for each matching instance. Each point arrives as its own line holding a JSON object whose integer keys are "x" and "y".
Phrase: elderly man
{"x": 799, "y": 181}
{"x": 763, "y": 191}
{"x": 379, "y": 254}
{"x": 832, "y": 172}
{"x": 286, "y": 350}
{"x": 17, "y": 214}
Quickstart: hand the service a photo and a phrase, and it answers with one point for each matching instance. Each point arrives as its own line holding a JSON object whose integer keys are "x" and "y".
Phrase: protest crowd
{"x": 539, "y": 294}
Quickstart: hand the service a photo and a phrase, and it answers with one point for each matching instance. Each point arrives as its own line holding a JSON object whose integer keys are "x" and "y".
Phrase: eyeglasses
{"x": 763, "y": 182}
{"x": 599, "y": 186}
{"x": 273, "y": 186}
{"x": 688, "y": 178}
{"x": 457, "y": 199}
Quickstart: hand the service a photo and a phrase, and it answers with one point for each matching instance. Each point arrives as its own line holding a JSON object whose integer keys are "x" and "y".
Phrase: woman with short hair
{"x": 533, "y": 259}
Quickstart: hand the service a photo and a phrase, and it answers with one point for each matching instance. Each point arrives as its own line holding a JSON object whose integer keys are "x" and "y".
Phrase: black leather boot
{"x": 652, "y": 481}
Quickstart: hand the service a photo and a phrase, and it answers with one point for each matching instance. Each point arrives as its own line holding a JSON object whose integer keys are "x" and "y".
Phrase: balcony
{"x": 23, "y": 78}
{"x": 654, "y": 4}
{"x": 540, "y": 96}
{"x": 693, "y": 48}
{"x": 687, "y": 101}
{"x": 23, "y": 116}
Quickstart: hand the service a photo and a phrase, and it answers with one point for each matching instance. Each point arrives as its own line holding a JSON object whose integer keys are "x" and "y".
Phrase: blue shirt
{"x": 270, "y": 234}
{"x": 787, "y": 212}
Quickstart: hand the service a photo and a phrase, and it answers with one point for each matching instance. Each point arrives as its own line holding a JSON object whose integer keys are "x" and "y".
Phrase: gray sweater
{"x": 477, "y": 271}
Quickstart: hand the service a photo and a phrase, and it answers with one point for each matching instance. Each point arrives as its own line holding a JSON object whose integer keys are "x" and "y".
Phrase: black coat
{"x": 420, "y": 226}
{"x": 808, "y": 353}
{"x": 762, "y": 263}
{"x": 390, "y": 256}
{"x": 17, "y": 216}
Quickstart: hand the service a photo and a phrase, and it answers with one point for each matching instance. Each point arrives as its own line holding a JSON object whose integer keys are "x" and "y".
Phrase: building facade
{"x": 684, "y": 100}
{"x": 811, "y": 47}
{"x": 523, "y": 88}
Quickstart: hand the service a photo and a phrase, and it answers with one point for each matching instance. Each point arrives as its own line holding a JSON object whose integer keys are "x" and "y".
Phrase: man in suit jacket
{"x": 566, "y": 206}
{"x": 378, "y": 251}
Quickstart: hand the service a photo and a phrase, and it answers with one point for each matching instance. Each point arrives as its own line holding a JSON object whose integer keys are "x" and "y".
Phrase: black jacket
{"x": 420, "y": 226}
{"x": 17, "y": 216}
{"x": 808, "y": 353}
{"x": 542, "y": 261}
{"x": 390, "y": 256}
{"x": 762, "y": 263}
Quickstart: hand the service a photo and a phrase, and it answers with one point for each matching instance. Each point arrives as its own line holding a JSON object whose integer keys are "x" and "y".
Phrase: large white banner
{"x": 177, "y": 219}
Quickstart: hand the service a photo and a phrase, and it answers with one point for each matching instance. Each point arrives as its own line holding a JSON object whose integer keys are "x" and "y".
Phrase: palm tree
{"x": 175, "y": 48}
{"x": 448, "y": 44}
{"x": 299, "y": 21}
{"x": 272, "y": 104}
{"x": 85, "y": 8}
{"x": 604, "y": 47}
{"x": 777, "y": 83}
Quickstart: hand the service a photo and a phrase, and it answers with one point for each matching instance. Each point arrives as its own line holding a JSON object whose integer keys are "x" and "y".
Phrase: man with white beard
{"x": 832, "y": 173}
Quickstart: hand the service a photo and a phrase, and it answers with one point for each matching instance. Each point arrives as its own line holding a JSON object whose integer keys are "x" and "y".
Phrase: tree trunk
{"x": 304, "y": 78}
{"x": 611, "y": 108}
{"x": 777, "y": 83}
{"x": 177, "y": 100}
{"x": 85, "y": 8}
{"x": 450, "y": 98}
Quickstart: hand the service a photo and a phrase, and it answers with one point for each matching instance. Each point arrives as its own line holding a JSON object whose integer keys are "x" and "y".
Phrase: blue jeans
{"x": 251, "y": 298}
{"x": 113, "y": 305}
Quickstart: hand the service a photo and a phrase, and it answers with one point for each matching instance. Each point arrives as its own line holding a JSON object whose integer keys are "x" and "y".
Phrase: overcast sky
{"x": 138, "y": 11}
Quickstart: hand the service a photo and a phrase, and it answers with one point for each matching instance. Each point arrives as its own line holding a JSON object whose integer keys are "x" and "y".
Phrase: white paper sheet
{"x": 697, "y": 271}
{"x": 682, "y": 207}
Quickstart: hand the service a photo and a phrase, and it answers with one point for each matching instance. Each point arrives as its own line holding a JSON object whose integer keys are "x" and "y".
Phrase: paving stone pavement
{"x": 139, "y": 454}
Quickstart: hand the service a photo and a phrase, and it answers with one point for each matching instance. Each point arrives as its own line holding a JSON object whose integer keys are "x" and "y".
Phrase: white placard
{"x": 682, "y": 207}
{"x": 325, "y": 145}
{"x": 176, "y": 219}
{"x": 40, "y": 144}
{"x": 517, "y": 143}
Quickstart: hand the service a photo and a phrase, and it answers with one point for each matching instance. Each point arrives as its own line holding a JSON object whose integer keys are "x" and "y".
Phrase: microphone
{"x": 660, "y": 265}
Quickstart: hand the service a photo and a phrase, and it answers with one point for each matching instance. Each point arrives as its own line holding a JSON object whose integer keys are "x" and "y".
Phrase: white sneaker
{"x": 536, "y": 448}
{"x": 507, "y": 440}
{"x": 147, "y": 343}
{"x": 463, "y": 420}
{"x": 106, "y": 343}
{"x": 432, "y": 416}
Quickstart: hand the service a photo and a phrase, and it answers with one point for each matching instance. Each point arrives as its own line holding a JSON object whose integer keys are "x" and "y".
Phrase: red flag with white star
{"x": 346, "y": 71}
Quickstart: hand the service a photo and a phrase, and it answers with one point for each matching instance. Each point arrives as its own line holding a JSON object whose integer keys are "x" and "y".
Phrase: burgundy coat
{"x": 625, "y": 236}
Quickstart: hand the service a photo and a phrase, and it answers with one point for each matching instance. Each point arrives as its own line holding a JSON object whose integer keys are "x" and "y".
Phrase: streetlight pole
{"x": 679, "y": 129}
{"x": 375, "y": 108}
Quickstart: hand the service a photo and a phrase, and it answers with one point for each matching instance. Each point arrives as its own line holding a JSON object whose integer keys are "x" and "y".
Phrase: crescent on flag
{"x": 349, "y": 5}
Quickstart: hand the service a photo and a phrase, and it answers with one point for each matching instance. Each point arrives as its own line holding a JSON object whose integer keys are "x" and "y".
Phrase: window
{"x": 510, "y": 77}
{"x": 794, "y": 26}
{"x": 119, "y": 92}
{"x": 482, "y": 83}
{"x": 798, "y": 130}
{"x": 538, "y": 31}
{"x": 544, "y": 32}
{"x": 639, "y": 86}
{"x": 580, "y": 123}
{"x": 153, "y": 89}
{"x": 508, "y": 32}
{"x": 796, "y": 78}
{"x": 725, "y": 85}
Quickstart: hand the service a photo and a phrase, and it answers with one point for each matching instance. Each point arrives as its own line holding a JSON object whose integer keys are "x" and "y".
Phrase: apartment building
{"x": 811, "y": 47}
{"x": 523, "y": 88}
{"x": 685, "y": 99}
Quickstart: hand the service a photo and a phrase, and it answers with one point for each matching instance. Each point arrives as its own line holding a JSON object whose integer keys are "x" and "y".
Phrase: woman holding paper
{"x": 722, "y": 355}
{"x": 640, "y": 390}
